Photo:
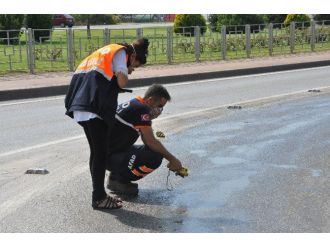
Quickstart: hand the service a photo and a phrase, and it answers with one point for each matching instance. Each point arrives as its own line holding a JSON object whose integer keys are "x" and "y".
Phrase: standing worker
{"x": 91, "y": 101}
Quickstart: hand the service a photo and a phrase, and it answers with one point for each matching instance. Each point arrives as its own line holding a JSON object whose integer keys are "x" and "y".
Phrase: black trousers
{"x": 135, "y": 163}
{"x": 97, "y": 132}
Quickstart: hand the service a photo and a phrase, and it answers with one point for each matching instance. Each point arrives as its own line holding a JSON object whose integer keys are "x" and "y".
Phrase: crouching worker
{"x": 128, "y": 162}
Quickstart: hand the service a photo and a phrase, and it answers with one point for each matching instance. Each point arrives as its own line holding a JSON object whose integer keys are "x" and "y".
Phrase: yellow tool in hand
{"x": 183, "y": 172}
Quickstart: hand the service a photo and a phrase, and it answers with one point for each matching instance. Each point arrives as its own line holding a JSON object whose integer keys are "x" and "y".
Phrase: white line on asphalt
{"x": 176, "y": 84}
{"x": 41, "y": 145}
{"x": 243, "y": 76}
{"x": 159, "y": 120}
{"x": 33, "y": 101}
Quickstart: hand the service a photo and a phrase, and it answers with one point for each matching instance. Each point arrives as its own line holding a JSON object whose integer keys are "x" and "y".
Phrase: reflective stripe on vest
{"x": 101, "y": 61}
{"x": 145, "y": 169}
{"x": 137, "y": 173}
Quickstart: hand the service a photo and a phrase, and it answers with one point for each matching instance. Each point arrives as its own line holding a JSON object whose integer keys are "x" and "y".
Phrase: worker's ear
{"x": 152, "y": 101}
{"x": 148, "y": 100}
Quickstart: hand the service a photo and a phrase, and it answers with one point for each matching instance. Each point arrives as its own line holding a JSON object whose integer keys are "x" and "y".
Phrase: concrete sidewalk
{"x": 21, "y": 86}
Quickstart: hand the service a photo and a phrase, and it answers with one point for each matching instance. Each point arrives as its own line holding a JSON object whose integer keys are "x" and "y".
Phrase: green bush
{"x": 189, "y": 21}
{"x": 239, "y": 21}
{"x": 10, "y": 22}
{"x": 296, "y": 18}
{"x": 40, "y": 22}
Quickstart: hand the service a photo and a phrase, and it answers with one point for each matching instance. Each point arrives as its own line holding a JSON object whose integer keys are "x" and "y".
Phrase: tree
{"x": 277, "y": 18}
{"x": 213, "y": 19}
{"x": 296, "y": 18}
{"x": 237, "y": 22}
{"x": 184, "y": 24}
{"x": 40, "y": 22}
{"x": 10, "y": 22}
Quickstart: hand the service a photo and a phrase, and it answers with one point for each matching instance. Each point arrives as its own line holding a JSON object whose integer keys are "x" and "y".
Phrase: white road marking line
{"x": 41, "y": 145}
{"x": 243, "y": 76}
{"x": 159, "y": 120}
{"x": 177, "y": 84}
{"x": 33, "y": 101}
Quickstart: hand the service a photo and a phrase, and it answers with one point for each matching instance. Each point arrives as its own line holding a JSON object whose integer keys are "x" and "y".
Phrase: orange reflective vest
{"x": 101, "y": 61}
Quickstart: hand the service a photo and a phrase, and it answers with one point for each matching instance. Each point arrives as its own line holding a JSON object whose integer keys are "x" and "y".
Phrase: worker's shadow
{"x": 138, "y": 220}
{"x": 175, "y": 222}
{"x": 150, "y": 197}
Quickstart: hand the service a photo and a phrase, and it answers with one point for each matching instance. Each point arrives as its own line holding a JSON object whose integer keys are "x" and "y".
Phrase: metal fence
{"x": 62, "y": 49}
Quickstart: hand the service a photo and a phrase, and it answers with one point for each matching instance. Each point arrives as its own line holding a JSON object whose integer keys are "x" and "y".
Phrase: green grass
{"x": 51, "y": 55}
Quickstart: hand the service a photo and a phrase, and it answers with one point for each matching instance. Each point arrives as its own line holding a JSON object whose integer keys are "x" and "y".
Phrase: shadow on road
{"x": 176, "y": 223}
{"x": 150, "y": 197}
{"x": 137, "y": 220}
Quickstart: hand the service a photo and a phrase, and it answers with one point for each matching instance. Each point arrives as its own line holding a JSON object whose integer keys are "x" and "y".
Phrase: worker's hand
{"x": 174, "y": 165}
{"x": 121, "y": 79}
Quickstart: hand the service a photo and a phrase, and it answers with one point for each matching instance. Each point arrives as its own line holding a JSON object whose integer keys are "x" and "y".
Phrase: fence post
{"x": 292, "y": 36}
{"x": 270, "y": 39}
{"x": 169, "y": 44}
{"x": 197, "y": 43}
{"x": 223, "y": 42}
{"x": 248, "y": 40}
{"x": 106, "y": 36}
{"x": 10, "y": 63}
{"x": 139, "y": 33}
{"x": 8, "y": 38}
{"x": 313, "y": 34}
{"x": 30, "y": 51}
{"x": 70, "y": 49}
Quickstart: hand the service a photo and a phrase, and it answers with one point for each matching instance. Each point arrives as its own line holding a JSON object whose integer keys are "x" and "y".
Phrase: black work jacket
{"x": 92, "y": 92}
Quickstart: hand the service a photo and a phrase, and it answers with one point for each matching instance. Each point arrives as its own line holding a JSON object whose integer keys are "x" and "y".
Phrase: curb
{"x": 61, "y": 90}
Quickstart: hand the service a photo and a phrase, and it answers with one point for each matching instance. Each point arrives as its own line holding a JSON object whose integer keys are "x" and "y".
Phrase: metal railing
{"x": 34, "y": 50}
{"x": 12, "y": 51}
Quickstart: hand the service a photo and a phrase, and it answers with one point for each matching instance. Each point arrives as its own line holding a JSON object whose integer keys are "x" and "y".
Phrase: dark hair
{"x": 140, "y": 48}
{"x": 158, "y": 91}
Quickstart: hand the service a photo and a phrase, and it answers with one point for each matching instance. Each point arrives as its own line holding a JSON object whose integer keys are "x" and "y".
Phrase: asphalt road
{"x": 262, "y": 169}
{"x": 30, "y": 122}
{"x": 259, "y": 169}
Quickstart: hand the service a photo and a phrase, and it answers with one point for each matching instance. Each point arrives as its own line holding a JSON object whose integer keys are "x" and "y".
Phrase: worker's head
{"x": 137, "y": 53}
{"x": 156, "y": 98}
{"x": 140, "y": 47}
